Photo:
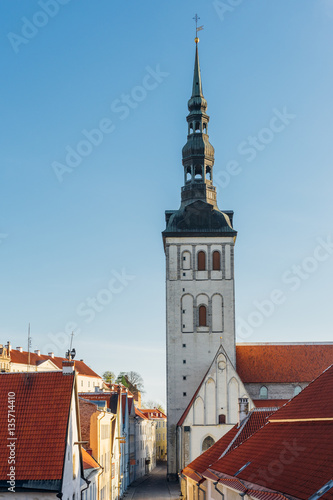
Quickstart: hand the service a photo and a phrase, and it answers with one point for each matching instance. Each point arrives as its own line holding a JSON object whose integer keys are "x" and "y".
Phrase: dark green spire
{"x": 197, "y": 85}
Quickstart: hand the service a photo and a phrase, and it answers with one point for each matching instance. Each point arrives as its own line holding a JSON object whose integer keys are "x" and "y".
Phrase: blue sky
{"x": 88, "y": 238}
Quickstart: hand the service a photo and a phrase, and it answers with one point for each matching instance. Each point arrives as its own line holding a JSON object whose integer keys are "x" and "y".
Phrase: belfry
{"x": 199, "y": 246}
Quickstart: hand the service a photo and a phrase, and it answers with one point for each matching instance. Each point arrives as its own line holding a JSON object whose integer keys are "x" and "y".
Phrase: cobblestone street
{"x": 155, "y": 486}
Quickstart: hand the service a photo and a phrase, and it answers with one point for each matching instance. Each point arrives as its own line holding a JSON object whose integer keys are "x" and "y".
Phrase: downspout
{"x": 111, "y": 453}
{"x": 216, "y": 488}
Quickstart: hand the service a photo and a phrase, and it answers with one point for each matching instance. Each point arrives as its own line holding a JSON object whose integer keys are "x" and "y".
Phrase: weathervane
{"x": 197, "y": 28}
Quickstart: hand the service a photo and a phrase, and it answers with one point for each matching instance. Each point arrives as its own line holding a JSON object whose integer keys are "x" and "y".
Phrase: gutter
{"x": 216, "y": 488}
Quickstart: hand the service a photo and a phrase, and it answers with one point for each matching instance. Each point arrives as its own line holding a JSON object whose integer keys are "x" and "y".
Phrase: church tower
{"x": 199, "y": 247}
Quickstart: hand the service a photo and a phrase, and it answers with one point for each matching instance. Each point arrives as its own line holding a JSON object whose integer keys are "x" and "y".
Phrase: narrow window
{"x": 263, "y": 394}
{"x": 201, "y": 261}
{"x": 202, "y": 316}
{"x": 184, "y": 361}
{"x": 216, "y": 261}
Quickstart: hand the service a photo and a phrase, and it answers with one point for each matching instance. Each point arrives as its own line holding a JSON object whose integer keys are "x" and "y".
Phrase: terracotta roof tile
{"x": 269, "y": 403}
{"x": 256, "y": 419}
{"x": 22, "y": 358}
{"x": 290, "y": 458}
{"x": 282, "y": 363}
{"x": 42, "y": 403}
{"x": 315, "y": 401}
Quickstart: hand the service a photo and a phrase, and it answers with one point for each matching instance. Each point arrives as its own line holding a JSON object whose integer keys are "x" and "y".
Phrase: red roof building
{"x": 42, "y": 433}
{"x": 291, "y": 455}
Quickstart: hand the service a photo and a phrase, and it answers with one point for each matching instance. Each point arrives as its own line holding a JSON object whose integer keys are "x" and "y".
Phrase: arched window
{"x": 197, "y": 127}
{"x": 205, "y": 128}
{"x": 263, "y": 394}
{"x": 191, "y": 128}
{"x": 201, "y": 261}
{"x": 208, "y": 173}
{"x": 216, "y": 261}
{"x": 297, "y": 390}
{"x": 198, "y": 172}
{"x": 202, "y": 316}
{"x": 188, "y": 174}
{"x": 207, "y": 443}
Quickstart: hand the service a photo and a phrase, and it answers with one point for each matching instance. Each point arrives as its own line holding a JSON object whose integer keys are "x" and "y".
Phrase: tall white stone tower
{"x": 199, "y": 247}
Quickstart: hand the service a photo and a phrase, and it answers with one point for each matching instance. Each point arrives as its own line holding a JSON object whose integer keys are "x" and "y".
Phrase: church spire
{"x": 198, "y": 153}
{"x": 197, "y": 85}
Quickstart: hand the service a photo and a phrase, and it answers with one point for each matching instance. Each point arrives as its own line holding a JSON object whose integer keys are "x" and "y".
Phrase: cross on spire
{"x": 197, "y": 28}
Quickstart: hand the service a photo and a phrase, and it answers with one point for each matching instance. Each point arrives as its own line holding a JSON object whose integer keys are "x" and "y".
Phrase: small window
{"x": 221, "y": 419}
{"x": 184, "y": 345}
{"x": 263, "y": 394}
{"x": 216, "y": 261}
{"x": 184, "y": 393}
{"x": 201, "y": 261}
{"x": 297, "y": 390}
{"x": 184, "y": 361}
{"x": 184, "y": 377}
{"x": 202, "y": 316}
{"x": 184, "y": 274}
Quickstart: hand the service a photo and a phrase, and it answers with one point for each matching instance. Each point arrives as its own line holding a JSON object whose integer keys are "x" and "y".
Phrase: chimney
{"x": 9, "y": 346}
{"x": 67, "y": 367}
{"x": 243, "y": 408}
{"x": 37, "y": 351}
{"x": 19, "y": 349}
{"x": 51, "y": 354}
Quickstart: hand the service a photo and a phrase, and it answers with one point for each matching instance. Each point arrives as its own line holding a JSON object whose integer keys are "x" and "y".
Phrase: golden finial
{"x": 197, "y": 28}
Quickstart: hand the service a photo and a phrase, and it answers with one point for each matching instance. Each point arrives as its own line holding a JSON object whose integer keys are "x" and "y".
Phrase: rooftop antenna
{"x": 70, "y": 354}
{"x": 29, "y": 346}
{"x": 197, "y": 28}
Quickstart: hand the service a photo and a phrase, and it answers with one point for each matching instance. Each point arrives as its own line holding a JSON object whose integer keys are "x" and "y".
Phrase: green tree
{"x": 108, "y": 377}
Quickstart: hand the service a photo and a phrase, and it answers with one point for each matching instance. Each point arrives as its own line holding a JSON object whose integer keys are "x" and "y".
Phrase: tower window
{"x": 184, "y": 361}
{"x": 191, "y": 128}
{"x": 197, "y": 127}
{"x": 184, "y": 393}
{"x": 184, "y": 377}
{"x": 202, "y": 316}
{"x": 188, "y": 174}
{"x": 216, "y": 261}
{"x": 198, "y": 172}
{"x": 201, "y": 261}
{"x": 208, "y": 173}
{"x": 205, "y": 128}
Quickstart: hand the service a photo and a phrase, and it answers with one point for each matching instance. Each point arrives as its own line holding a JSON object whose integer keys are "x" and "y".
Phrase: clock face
{"x": 222, "y": 365}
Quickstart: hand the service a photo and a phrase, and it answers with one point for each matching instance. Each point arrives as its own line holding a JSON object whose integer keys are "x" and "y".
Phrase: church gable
{"x": 215, "y": 402}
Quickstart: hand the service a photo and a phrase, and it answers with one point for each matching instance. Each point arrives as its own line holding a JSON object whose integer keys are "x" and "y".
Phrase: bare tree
{"x": 131, "y": 378}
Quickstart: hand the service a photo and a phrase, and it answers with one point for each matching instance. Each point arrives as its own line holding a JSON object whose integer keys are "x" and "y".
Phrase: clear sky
{"x": 81, "y": 222}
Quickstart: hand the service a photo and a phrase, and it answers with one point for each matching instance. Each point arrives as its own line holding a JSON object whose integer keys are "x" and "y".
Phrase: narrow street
{"x": 155, "y": 486}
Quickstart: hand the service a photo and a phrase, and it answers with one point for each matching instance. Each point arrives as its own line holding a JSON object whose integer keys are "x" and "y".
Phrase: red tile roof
{"x": 290, "y": 458}
{"x": 153, "y": 413}
{"x": 314, "y": 402}
{"x": 269, "y": 403}
{"x": 282, "y": 363}
{"x": 256, "y": 419}
{"x": 140, "y": 414}
{"x": 22, "y": 358}
{"x": 88, "y": 461}
{"x": 42, "y": 404}
{"x": 293, "y": 453}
